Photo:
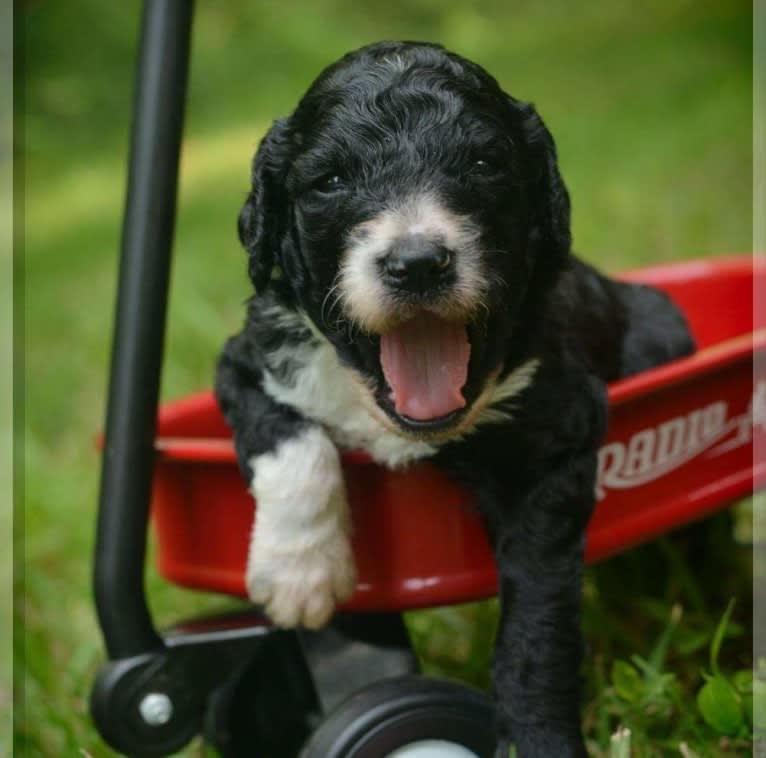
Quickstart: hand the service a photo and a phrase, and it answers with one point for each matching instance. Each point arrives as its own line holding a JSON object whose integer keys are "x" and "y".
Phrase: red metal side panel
{"x": 679, "y": 453}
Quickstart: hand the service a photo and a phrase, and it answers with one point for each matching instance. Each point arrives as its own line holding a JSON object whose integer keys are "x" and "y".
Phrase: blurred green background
{"x": 650, "y": 105}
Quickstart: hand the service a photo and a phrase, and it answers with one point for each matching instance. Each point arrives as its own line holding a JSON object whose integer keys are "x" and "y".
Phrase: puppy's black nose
{"x": 418, "y": 264}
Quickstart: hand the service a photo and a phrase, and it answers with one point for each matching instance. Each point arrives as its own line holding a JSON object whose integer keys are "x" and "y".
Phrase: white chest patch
{"x": 334, "y": 396}
{"x": 327, "y": 392}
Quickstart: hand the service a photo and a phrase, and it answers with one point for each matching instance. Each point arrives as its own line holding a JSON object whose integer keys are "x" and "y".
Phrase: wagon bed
{"x": 680, "y": 446}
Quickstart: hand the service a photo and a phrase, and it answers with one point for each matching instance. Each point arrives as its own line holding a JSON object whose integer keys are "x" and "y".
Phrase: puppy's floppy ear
{"x": 551, "y": 226}
{"x": 262, "y": 218}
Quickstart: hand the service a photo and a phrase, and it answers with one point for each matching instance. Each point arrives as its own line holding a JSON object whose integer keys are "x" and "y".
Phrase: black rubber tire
{"x": 393, "y": 713}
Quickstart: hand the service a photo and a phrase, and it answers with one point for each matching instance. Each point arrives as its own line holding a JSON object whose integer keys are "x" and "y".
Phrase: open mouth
{"x": 425, "y": 364}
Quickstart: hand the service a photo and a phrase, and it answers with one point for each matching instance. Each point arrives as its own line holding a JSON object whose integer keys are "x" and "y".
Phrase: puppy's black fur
{"x": 384, "y": 123}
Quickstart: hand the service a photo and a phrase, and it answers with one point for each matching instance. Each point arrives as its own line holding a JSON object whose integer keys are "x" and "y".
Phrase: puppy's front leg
{"x": 300, "y": 562}
{"x": 539, "y": 647}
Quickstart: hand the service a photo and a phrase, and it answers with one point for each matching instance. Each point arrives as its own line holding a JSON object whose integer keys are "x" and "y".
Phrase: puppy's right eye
{"x": 329, "y": 184}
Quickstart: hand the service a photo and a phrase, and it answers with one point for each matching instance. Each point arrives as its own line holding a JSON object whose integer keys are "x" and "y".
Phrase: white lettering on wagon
{"x": 658, "y": 450}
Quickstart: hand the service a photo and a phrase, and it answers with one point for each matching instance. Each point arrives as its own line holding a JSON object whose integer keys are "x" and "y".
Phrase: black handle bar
{"x": 139, "y": 330}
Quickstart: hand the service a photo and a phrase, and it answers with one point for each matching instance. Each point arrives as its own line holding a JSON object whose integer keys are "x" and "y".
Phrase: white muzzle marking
{"x": 368, "y": 303}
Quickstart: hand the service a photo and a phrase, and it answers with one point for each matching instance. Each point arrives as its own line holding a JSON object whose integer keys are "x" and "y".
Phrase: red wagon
{"x": 680, "y": 446}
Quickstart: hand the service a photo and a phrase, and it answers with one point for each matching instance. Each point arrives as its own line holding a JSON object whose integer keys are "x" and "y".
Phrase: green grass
{"x": 651, "y": 108}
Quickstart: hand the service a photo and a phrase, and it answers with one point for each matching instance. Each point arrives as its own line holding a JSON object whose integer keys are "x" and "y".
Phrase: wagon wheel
{"x": 408, "y": 717}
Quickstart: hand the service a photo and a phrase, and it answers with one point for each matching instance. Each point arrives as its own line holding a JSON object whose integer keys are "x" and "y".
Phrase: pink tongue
{"x": 425, "y": 362}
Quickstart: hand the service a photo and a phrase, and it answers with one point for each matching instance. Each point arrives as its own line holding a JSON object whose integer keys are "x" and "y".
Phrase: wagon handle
{"x": 139, "y": 330}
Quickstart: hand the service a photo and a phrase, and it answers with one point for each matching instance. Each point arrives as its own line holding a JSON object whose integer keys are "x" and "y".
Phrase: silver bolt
{"x": 156, "y": 708}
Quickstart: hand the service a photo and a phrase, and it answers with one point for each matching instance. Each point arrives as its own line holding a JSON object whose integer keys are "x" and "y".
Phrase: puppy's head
{"x": 414, "y": 210}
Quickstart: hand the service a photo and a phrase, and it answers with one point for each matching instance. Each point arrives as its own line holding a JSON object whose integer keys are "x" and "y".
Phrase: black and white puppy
{"x": 409, "y": 243}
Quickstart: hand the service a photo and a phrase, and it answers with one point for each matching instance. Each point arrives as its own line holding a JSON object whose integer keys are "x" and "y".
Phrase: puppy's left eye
{"x": 483, "y": 168}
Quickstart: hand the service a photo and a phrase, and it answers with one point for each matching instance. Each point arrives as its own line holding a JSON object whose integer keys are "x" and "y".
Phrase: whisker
{"x": 336, "y": 294}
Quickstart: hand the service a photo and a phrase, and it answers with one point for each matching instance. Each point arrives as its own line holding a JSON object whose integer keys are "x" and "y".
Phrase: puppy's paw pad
{"x": 302, "y": 588}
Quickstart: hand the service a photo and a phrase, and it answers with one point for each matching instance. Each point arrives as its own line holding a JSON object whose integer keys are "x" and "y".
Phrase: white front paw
{"x": 300, "y": 563}
{"x": 300, "y": 585}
